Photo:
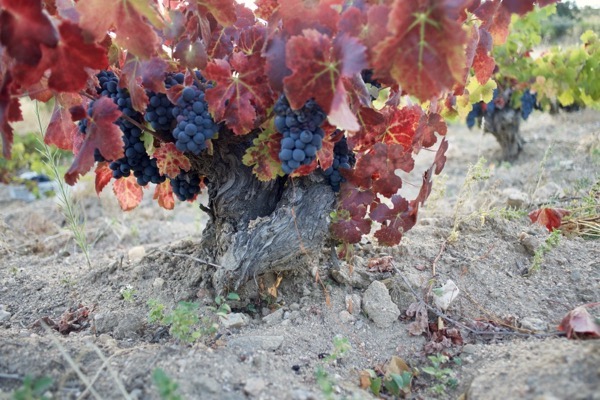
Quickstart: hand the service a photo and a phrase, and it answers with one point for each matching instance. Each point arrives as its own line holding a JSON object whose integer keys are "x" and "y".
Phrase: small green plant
{"x": 341, "y": 346}
{"x": 475, "y": 173}
{"x": 184, "y": 323}
{"x": 167, "y": 388}
{"x": 223, "y": 308}
{"x": 71, "y": 212}
{"x": 128, "y": 293}
{"x": 33, "y": 389}
{"x": 443, "y": 376}
{"x": 538, "y": 257}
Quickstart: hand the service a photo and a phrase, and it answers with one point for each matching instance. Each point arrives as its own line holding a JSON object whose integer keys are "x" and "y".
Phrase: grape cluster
{"x": 186, "y": 185}
{"x": 136, "y": 158}
{"x": 342, "y": 158}
{"x": 194, "y": 123}
{"x": 160, "y": 109}
{"x": 476, "y": 112}
{"x": 302, "y": 133}
{"x": 528, "y": 102}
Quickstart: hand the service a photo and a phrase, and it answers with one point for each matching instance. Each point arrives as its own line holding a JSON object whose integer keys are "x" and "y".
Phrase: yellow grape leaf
{"x": 566, "y": 98}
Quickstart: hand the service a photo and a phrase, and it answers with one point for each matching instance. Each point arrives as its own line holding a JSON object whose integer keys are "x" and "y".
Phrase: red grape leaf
{"x": 222, "y": 10}
{"x": 425, "y": 190}
{"x": 425, "y": 136}
{"x": 103, "y": 175}
{"x": 276, "y": 67}
{"x": 318, "y": 66}
{"x": 350, "y": 227}
{"x": 401, "y": 125}
{"x": 379, "y": 164}
{"x": 128, "y": 17}
{"x": 68, "y": 61}
{"x": 265, "y": 8}
{"x": 62, "y": 129}
{"x": 171, "y": 161}
{"x": 9, "y": 111}
{"x": 101, "y": 134}
{"x": 372, "y": 124}
{"x": 241, "y": 94}
{"x": 483, "y": 63}
{"x": 147, "y": 73}
{"x": 263, "y": 156}
{"x": 440, "y": 156}
{"x": 579, "y": 322}
{"x": 164, "y": 194}
{"x": 24, "y": 27}
{"x": 325, "y": 154}
{"x": 551, "y": 218}
{"x": 299, "y": 15}
{"x": 394, "y": 221}
{"x": 425, "y": 51}
{"x": 191, "y": 55}
{"x": 128, "y": 192}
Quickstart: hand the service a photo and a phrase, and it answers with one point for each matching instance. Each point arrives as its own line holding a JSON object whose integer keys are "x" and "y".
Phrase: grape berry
{"x": 343, "y": 158}
{"x": 186, "y": 185}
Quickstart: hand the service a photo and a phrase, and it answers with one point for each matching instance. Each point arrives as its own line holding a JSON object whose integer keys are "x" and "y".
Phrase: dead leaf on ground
{"x": 72, "y": 320}
{"x": 381, "y": 264}
{"x": 580, "y": 324}
{"x": 421, "y": 324}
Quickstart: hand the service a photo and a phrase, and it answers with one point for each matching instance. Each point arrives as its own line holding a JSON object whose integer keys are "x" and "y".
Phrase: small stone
{"x": 294, "y": 307}
{"x": 207, "y": 384}
{"x": 301, "y": 394}
{"x": 534, "y": 324}
{"x": 515, "y": 198}
{"x": 530, "y": 242}
{"x": 136, "y": 253}
{"x": 379, "y": 306}
{"x": 253, "y": 343}
{"x": 469, "y": 349}
{"x": 254, "y": 386}
{"x": 158, "y": 283}
{"x": 274, "y": 318}
{"x": 346, "y": 317}
{"x": 4, "y": 315}
{"x": 353, "y": 304}
{"x": 234, "y": 320}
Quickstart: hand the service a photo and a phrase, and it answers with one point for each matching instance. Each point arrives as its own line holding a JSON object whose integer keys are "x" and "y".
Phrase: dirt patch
{"x": 275, "y": 351}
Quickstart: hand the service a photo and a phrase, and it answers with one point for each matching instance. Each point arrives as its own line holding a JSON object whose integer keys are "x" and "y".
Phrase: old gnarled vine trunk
{"x": 258, "y": 227}
{"x": 504, "y": 125}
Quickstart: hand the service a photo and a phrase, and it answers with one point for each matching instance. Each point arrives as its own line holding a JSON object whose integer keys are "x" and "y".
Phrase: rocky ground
{"x": 312, "y": 334}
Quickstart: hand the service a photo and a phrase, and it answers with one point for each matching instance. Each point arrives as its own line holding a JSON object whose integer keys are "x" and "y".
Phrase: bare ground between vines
{"x": 42, "y": 274}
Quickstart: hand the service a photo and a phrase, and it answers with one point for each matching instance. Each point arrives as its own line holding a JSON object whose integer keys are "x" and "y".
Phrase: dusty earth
{"x": 503, "y": 343}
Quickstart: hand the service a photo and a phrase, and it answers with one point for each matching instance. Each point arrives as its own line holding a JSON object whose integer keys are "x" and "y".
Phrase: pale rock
{"x": 136, "y": 253}
{"x": 346, "y": 317}
{"x": 158, "y": 283}
{"x": 254, "y": 386}
{"x": 534, "y": 324}
{"x": 274, "y": 318}
{"x": 378, "y": 305}
{"x": 353, "y": 304}
{"x": 515, "y": 198}
{"x": 253, "y": 343}
{"x": 4, "y": 315}
{"x": 234, "y": 320}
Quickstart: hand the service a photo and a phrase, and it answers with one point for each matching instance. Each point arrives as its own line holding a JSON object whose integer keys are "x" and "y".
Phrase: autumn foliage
{"x": 424, "y": 53}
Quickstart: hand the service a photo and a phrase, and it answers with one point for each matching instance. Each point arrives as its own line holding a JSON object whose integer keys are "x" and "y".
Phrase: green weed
{"x": 184, "y": 322}
{"x": 128, "y": 293}
{"x": 538, "y": 257}
{"x": 167, "y": 388}
{"x": 444, "y": 377}
{"x": 341, "y": 346}
{"x": 33, "y": 389}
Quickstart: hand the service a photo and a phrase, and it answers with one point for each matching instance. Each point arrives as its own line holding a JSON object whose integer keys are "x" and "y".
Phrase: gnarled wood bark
{"x": 504, "y": 125}
{"x": 258, "y": 227}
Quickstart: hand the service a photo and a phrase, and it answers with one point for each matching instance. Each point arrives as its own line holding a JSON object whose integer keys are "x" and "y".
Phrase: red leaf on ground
{"x": 62, "y": 129}
{"x": 579, "y": 322}
{"x": 128, "y": 192}
{"x": 24, "y": 27}
{"x": 129, "y": 18}
{"x": 103, "y": 176}
{"x": 263, "y": 156}
{"x": 147, "y": 73}
{"x": 101, "y": 134}
{"x": 171, "y": 161}
{"x": 164, "y": 194}
{"x": 425, "y": 51}
{"x": 551, "y": 218}
{"x": 241, "y": 95}
{"x": 381, "y": 264}
{"x": 318, "y": 66}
